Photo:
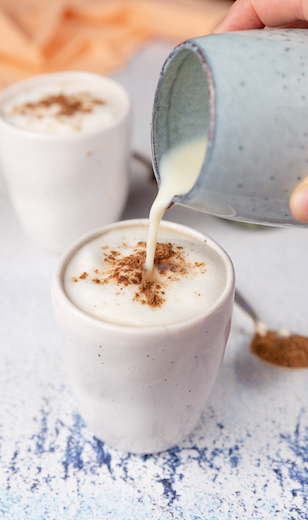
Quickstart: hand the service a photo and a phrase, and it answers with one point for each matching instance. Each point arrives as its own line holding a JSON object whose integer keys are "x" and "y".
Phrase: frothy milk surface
{"x": 63, "y": 106}
{"x": 104, "y": 277}
{"x": 179, "y": 169}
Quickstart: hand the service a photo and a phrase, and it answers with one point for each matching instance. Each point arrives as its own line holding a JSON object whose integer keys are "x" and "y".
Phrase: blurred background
{"x": 38, "y": 36}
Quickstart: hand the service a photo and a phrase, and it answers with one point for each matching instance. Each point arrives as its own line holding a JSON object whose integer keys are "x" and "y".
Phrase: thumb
{"x": 299, "y": 201}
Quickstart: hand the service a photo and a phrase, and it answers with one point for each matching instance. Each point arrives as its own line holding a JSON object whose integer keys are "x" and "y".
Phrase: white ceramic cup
{"x": 64, "y": 184}
{"x": 142, "y": 389}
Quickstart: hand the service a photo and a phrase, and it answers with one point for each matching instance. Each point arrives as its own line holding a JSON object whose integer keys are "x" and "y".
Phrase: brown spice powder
{"x": 289, "y": 351}
{"x": 151, "y": 292}
{"x": 129, "y": 270}
{"x": 67, "y": 105}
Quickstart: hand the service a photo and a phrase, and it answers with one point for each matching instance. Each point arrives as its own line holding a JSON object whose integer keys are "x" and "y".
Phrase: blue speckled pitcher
{"x": 248, "y": 91}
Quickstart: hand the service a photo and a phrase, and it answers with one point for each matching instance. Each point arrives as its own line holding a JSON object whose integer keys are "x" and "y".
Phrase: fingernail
{"x": 299, "y": 204}
{"x": 218, "y": 28}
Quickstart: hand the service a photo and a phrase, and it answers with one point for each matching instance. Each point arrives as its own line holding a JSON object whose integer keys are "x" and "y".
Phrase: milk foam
{"x": 46, "y": 119}
{"x": 179, "y": 169}
{"x": 186, "y": 294}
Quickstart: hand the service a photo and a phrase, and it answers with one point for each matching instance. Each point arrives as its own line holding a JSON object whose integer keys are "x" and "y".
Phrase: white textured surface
{"x": 247, "y": 458}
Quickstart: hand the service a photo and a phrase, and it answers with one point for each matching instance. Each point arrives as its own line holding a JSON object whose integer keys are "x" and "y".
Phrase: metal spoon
{"x": 277, "y": 348}
{"x": 145, "y": 161}
{"x": 260, "y": 326}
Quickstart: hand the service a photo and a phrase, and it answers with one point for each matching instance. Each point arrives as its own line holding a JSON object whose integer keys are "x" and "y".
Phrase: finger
{"x": 295, "y": 25}
{"x": 299, "y": 201}
{"x": 256, "y": 14}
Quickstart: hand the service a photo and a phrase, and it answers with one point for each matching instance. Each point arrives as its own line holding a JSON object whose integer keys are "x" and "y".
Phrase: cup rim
{"x": 194, "y": 49}
{"x": 59, "y": 294}
{"x": 18, "y": 86}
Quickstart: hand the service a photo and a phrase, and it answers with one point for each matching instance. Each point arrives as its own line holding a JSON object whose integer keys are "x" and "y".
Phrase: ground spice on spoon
{"x": 290, "y": 351}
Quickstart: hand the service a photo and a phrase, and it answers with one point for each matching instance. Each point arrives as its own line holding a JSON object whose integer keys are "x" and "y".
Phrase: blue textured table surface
{"x": 248, "y": 456}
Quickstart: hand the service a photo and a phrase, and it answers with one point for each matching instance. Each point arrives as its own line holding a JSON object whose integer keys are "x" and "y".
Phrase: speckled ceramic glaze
{"x": 142, "y": 389}
{"x": 248, "y": 91}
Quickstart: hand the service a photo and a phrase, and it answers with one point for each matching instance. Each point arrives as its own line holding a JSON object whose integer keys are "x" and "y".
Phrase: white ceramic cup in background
{"x": 143, "y": 389}
{"x": 64, "y": 184}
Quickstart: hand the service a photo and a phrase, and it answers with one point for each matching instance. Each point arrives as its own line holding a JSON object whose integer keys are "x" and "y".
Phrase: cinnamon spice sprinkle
{"x": 128, "y": 270}
{"x": 151, "y": 292}
{"x": 289, "y": 351}
{"x": 64, "y": 104}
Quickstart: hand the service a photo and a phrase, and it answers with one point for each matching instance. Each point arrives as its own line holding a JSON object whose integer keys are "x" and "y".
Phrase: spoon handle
{"x": 261, "y": 328}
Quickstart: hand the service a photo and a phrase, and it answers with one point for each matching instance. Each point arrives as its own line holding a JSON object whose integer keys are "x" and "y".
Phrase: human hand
{"x": 248, "y": 14}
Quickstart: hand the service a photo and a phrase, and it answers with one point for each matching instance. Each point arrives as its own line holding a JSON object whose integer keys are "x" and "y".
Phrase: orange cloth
{"x": 38, "y": 36}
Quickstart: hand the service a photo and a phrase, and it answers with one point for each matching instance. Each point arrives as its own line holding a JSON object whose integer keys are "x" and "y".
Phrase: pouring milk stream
{"x": 179, "y": 169}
